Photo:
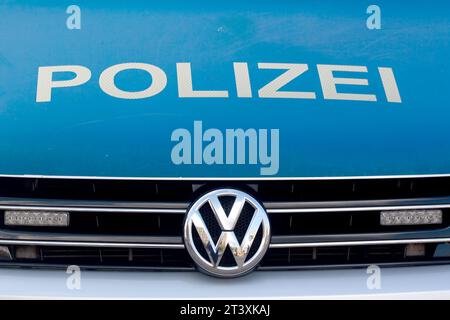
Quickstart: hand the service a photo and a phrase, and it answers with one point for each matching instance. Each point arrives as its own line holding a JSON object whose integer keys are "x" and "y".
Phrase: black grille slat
{"x": 267, "y": 191}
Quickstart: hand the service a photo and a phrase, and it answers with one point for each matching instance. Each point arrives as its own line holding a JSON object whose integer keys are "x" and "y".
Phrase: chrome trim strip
{"x": 90, "y": 209}
{"x": 93, "y": 244}
{"x": 36, "y": 176}
{"x": 82, "y": 206}
{"x": 51, "y": 202}
{"x": 79, "y": 237}
{"x": 351, "y": 209}
{"x": 352, "y": 265}
{"x": 181, "y": 246}
{"x": 355, "y": 243}
{"x": 77, "y": 206}
{"x": 392, "y": 202}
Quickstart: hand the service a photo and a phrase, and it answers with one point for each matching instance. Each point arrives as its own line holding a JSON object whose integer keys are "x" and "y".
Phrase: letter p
{"x": 45, "y": 82}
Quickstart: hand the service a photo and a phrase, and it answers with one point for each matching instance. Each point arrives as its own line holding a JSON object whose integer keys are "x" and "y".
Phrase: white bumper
{"x": 396, "y": 283}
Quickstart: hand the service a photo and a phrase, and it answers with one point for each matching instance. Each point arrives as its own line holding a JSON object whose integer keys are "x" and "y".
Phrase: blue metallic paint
{"x": 84, "y": 132}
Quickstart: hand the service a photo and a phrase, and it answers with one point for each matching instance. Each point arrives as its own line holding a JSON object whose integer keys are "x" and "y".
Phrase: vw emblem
{"x": 226, "y": 232}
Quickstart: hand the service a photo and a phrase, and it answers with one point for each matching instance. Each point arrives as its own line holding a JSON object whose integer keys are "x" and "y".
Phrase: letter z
{"x": 271, "y": 90}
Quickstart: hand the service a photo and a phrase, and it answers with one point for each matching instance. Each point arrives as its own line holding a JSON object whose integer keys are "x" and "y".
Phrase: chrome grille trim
{"x": 91, "y": 209}
{"x": 391, "y": 176}
{"x": 181, "y": 246}
{"x": 357, "y": 243}
{"x": 181, "y": 208}
{"x": 94, "y": 205}
{"x": 349, "y": 209}
{"x": 351, "y": 206}
{"x": 86, "y": 238}
{"x": 93, "y": 244}
{"x": 272, "y": 208}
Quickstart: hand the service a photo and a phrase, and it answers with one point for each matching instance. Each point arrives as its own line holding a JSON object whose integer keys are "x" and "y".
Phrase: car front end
{"x": 224, "y": 151}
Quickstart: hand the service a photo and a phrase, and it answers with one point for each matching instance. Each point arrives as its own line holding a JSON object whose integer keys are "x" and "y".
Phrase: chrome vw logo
{"x": 226, "y": 232}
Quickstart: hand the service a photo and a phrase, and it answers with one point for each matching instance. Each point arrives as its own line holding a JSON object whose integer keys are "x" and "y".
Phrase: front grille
{"x": 138, "y": 224}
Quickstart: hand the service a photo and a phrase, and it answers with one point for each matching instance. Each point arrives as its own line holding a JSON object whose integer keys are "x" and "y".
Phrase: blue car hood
{"x": 83, "y": 131}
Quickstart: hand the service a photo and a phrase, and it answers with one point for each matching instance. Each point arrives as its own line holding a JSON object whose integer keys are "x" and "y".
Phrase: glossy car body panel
{"x": 397, "y": 283}
{"x": 84, "y": 132}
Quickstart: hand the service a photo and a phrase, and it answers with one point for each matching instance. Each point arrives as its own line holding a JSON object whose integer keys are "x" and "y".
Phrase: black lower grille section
{"x": 355, "y": 255}
{"x": 177, "y": 259}
{"x": 167, "y": 259}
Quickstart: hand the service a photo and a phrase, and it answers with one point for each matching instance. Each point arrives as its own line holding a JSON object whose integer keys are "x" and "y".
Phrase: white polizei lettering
{"x": 107, "y": 83}
{"x": 271, "y": 90}
{"x": 277, "y": 88}
{"x": 185, "y": 85}
{"x": 45, "y": 82}
{"x": 329, "y": 82}
{"x": 389, "y": 85}
{"x": 242, "y": 77}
